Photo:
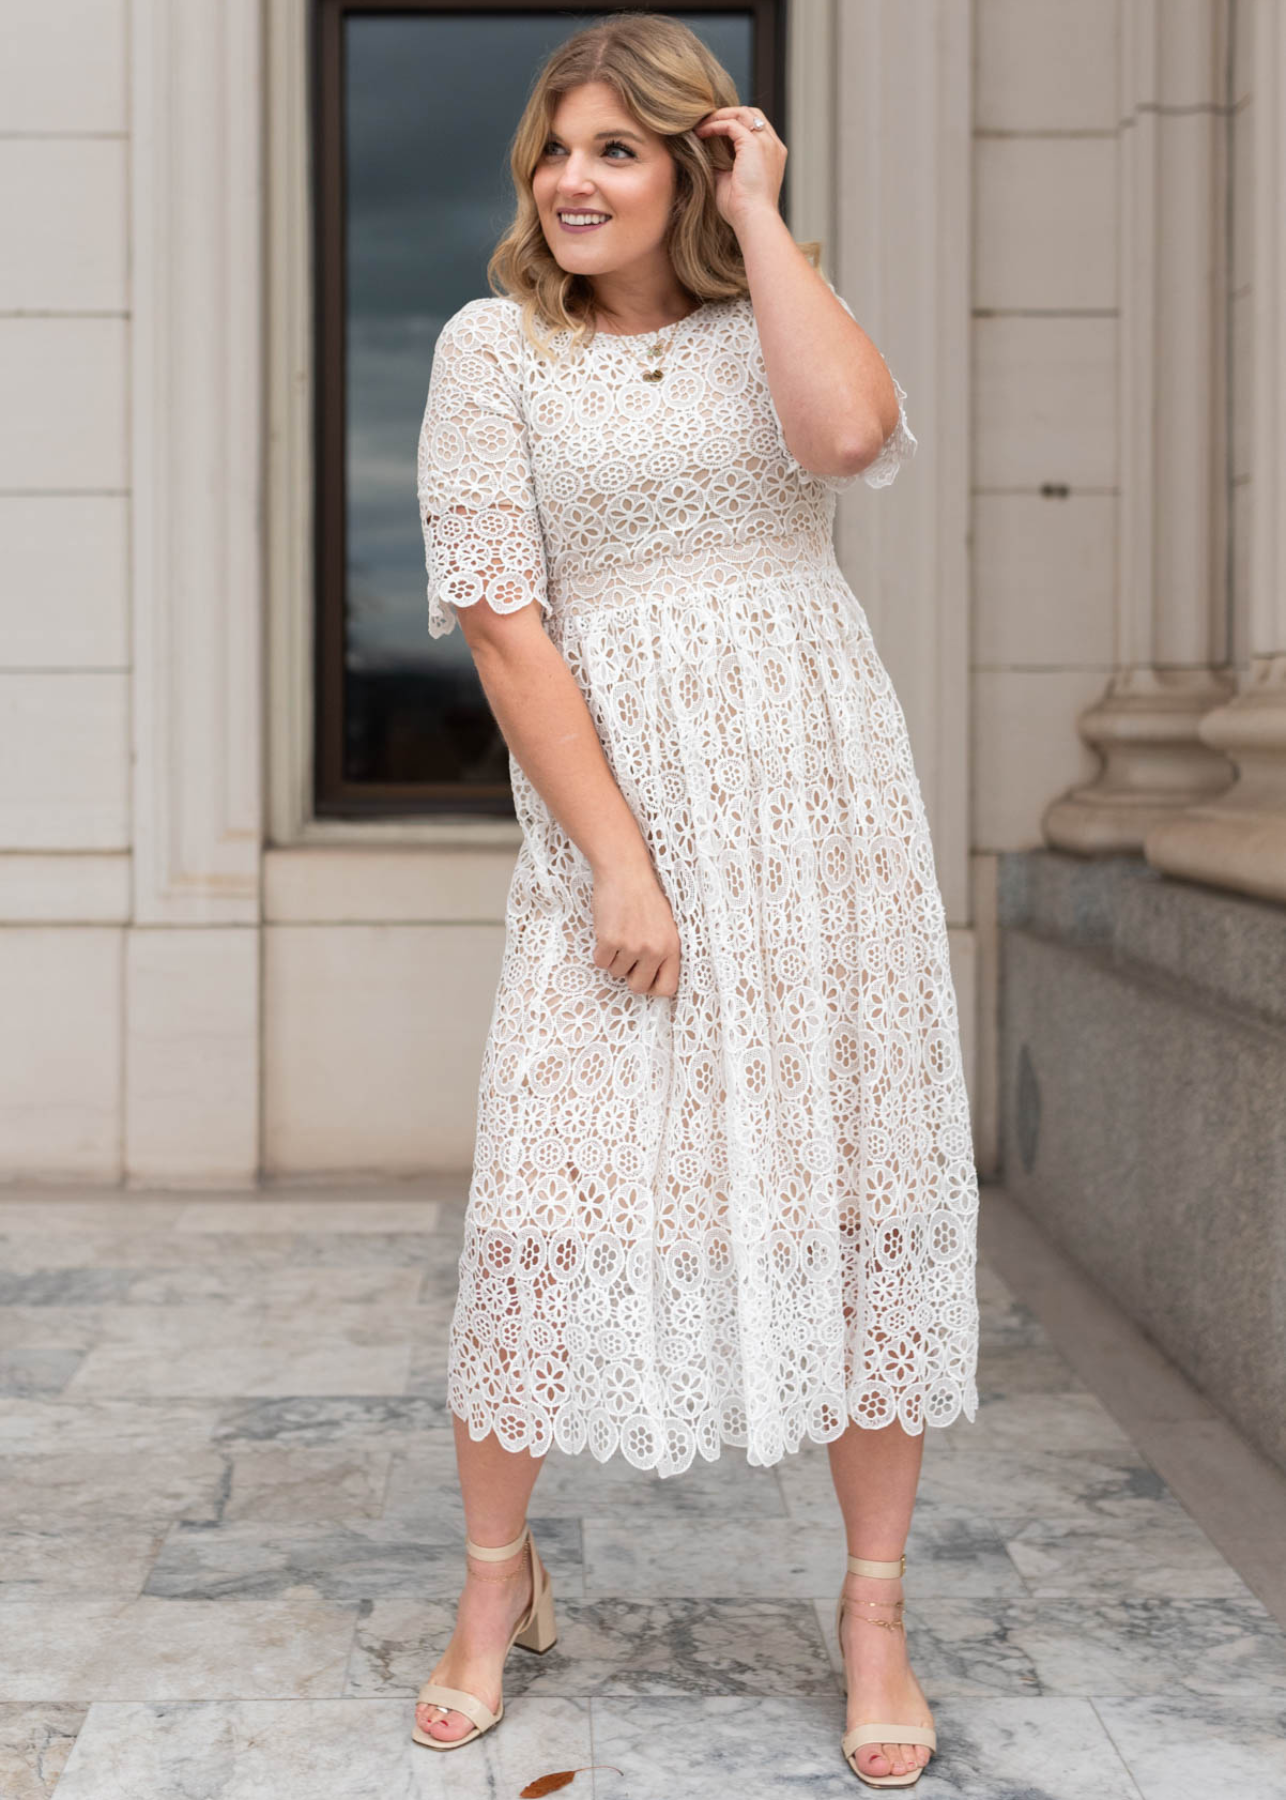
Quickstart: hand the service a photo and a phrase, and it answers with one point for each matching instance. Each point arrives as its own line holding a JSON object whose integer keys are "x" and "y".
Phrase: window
{"x": 413, "y": 110}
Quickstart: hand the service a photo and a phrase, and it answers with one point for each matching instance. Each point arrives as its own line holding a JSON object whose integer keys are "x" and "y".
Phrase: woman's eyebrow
{"x": 622, "y": 133}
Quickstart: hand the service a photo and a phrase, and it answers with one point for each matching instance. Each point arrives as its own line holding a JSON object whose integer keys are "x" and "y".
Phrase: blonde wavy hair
{"x": 667, "y": 80}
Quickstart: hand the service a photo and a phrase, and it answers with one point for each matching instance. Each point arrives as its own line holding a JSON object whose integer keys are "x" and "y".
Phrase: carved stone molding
{"x": 1146, "y": 729}
{"x": 192, "y": 954}
{"x": 197, "y": 459}
{"x": 902, "y": 81}
{"x": 1173, "y": 514}
{"x": 1239, "y": 841}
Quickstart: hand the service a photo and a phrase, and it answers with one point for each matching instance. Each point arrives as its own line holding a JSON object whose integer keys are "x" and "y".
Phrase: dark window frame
{"x": 334, "y": 796}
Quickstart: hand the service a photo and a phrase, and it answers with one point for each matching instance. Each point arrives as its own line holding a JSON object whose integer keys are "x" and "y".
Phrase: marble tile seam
{"x": 1121, "y": 1756}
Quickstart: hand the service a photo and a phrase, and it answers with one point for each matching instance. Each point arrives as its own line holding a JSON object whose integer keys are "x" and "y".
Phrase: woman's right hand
{"x": 638, "y": 939}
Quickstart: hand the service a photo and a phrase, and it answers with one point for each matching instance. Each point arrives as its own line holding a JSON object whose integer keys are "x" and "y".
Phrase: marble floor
{"x": 230, "y": 1544}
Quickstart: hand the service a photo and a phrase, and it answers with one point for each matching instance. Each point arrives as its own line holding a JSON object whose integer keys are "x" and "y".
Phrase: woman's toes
{"x": 892, "y": 1759}
{"x": 442, "y": 1725}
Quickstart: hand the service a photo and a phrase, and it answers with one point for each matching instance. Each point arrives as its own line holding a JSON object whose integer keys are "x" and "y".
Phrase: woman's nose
{"x": 574, "y": 184}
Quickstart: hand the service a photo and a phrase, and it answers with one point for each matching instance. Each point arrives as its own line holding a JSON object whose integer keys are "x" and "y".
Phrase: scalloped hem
{"x": 575, "y": 1440}
{"x": 442, "y": 612}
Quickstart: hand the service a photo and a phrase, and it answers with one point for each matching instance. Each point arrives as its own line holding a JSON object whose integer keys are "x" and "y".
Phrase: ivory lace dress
{"x": 743, "y": 1214}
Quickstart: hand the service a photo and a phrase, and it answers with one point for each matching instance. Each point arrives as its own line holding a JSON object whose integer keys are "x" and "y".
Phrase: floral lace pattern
{"x": 745, "y": 1214}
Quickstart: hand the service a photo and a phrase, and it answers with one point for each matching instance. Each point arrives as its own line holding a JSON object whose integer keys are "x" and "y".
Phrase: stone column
{"x": 1173, "y": 514}
{"x": 1239, "y": 840}
{"x": 192, "y": 953}
{"x": 902, "y": 76}
{"x": 881, "y": 104}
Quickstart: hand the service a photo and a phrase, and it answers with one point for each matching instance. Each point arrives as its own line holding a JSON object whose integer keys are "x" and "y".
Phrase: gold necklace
{"x": 657, "y": 352}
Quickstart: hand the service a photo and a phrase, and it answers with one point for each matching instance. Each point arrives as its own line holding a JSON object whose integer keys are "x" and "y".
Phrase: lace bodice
{"x": 572, "y": 482}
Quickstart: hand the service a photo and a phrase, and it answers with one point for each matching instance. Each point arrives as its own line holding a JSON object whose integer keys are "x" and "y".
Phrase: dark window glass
{"x": 415, "y": 107}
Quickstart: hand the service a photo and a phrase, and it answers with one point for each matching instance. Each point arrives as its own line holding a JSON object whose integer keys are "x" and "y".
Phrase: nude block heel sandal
{"x": 879, "y": 1732}
{"x": 535, "y": 1630}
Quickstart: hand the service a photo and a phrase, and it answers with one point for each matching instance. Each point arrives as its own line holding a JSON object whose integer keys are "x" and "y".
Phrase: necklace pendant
{"x": 653, "y": 374}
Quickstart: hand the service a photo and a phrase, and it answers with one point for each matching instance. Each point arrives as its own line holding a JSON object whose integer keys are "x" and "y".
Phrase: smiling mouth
{"x": 582, "y": 221}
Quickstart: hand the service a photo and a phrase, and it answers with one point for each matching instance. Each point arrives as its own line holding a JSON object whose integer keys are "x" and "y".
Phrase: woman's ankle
{"x": 877, "y": 1601}
{"x": 508, "y": 1581}
{"x": 498, "y": 1568}
{"x": 874, "y": 1587}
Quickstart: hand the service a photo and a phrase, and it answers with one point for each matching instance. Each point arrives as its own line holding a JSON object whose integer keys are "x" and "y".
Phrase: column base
{"x": 1237, "y": 841}
{"x": 1154, "y": 761}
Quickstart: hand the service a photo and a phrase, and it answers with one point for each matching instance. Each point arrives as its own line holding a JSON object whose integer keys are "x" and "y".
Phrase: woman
{"x": 723, "y": 1191}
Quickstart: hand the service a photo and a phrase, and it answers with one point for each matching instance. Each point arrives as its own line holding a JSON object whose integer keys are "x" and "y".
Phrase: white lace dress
{"x": 744, "y": 1214}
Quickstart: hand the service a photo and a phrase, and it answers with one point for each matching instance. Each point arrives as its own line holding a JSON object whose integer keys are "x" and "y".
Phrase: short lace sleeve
{"x": 898, "y": 447}
{"x": 482, "y": 534}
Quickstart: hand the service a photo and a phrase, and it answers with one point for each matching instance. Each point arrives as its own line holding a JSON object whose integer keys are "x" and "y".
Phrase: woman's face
{"x": 599, "y": 161}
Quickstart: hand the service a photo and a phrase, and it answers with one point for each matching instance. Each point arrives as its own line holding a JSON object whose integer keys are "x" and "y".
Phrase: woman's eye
{"x": 615, "y": 144}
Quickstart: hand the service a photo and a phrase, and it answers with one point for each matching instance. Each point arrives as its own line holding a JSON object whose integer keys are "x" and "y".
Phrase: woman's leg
{"x": 495, "y": 1484}
{"x": 875, "y": 1474}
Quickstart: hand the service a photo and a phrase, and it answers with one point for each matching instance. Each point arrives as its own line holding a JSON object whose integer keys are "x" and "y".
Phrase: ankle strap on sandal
{"x": 498, "y": 1552}
{"x": 862, "y": 1565}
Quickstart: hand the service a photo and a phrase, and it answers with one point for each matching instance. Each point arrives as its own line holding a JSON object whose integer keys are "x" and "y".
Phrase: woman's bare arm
{"x": 830, "y": 384}
{"x": 543, "y": 718}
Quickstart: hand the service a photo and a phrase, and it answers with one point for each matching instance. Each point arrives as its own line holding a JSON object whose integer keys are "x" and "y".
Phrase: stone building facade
{"x": 1064, "y": 222}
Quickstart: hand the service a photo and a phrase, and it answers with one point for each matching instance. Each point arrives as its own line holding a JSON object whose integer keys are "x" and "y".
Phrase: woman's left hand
{"x": 754, "y": 180}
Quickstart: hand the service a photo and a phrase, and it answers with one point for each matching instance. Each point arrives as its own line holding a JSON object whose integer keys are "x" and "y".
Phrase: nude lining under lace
{"x": 745, "y": 1214}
